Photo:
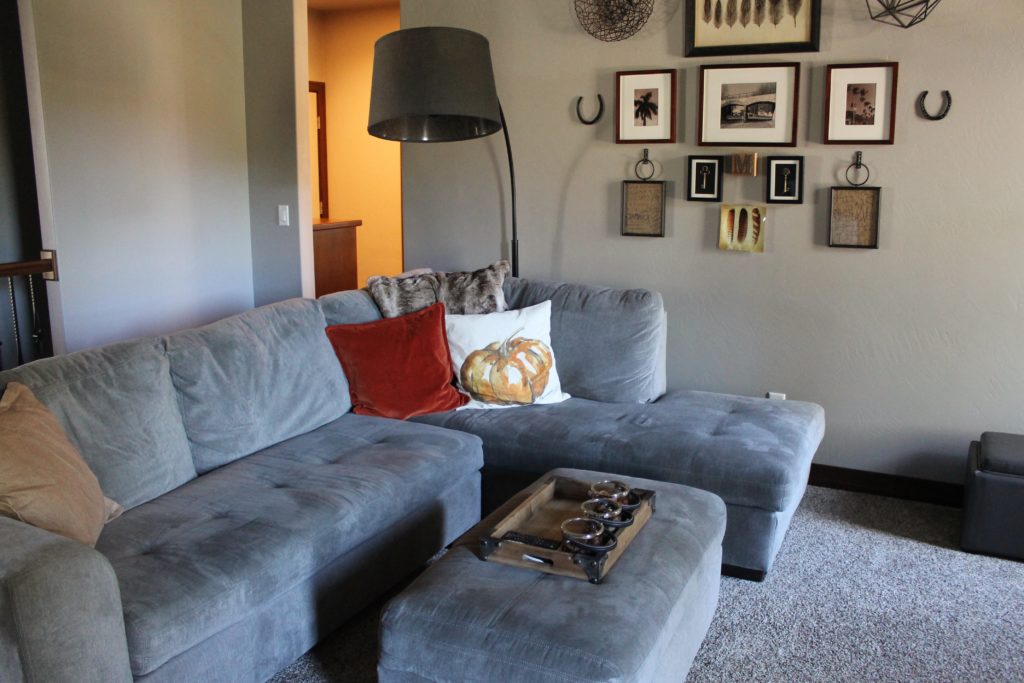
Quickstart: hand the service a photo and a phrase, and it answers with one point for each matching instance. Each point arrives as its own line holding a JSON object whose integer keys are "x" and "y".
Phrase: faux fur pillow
{"x": 461, "y": 293}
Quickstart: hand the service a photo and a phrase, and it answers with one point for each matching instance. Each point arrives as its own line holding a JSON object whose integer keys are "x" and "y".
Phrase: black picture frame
{"x": 702, "y": 169}
{"x": 853, "y": 217}
{"x": 695, "y": 12}
{"x": 643, "y": 208}
{"x": 784, "y": 180}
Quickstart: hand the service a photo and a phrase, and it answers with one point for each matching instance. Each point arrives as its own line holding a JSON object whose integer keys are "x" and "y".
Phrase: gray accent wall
{"x": 913, "y": 349}
{"x": 141, "y": 121}
{"x": 270, "y": 114}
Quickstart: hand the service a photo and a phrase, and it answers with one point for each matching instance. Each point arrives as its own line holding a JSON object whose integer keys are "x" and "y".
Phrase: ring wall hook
{"x": 600, "y": 111}
{"x": 947, "y": 102}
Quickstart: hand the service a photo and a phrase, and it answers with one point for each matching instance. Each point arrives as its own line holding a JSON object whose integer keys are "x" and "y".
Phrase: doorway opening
{"x": 355, "y": 178}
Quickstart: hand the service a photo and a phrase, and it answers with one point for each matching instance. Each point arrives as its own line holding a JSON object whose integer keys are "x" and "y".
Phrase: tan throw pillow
{"x": 43, "y": 479}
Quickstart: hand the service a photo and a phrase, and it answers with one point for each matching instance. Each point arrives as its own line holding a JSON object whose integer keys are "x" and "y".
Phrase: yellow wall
{"x": 364, "y": 172}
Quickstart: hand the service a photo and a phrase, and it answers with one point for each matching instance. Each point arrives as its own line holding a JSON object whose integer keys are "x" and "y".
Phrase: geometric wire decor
{"x": 611, "y": 20}
{"x": 903, "y": 13}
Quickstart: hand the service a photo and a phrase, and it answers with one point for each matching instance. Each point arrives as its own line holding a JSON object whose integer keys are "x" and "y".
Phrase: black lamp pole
{"x": 436, "y": 84}
{"x": 512, "y": 178}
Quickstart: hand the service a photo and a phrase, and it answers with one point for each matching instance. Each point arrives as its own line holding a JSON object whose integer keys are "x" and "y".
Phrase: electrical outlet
{"x": 776, "y": 395}
{"x": 282, "y": 215}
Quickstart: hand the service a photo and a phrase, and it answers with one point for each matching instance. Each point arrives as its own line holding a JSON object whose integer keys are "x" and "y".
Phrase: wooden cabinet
{"x": 334, "y": 255}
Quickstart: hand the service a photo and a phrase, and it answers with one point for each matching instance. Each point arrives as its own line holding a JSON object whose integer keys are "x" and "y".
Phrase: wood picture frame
{"x": 853, "y": 217}
{"x": 704, "y": 178}
{"x": 740, "y": 27}
{"x": 643, "y": 208}
{"x": 647, "y": 97}
{"x": 860, "y": 103}
{"x": 784, "y": 180}
{"x": 749, "y": 105}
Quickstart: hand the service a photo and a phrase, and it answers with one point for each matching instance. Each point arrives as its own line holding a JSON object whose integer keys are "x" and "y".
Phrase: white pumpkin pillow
{"x": 505, "y": 359}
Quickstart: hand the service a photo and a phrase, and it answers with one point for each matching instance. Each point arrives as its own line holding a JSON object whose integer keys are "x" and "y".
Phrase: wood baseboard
{"x": 891, "y": 485}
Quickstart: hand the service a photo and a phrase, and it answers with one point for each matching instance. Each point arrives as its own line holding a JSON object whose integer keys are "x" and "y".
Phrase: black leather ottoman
{"x": 993, "y": 520}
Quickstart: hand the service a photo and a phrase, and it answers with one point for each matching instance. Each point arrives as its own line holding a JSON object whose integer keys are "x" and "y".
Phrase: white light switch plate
{"x": 282, "y": 215}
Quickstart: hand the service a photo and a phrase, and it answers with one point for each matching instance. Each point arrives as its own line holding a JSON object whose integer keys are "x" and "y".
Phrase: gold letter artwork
{"x": 742, "y": 228}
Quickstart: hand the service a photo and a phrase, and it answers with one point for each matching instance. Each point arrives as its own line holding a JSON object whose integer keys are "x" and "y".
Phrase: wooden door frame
{"x": 320, "y": 89}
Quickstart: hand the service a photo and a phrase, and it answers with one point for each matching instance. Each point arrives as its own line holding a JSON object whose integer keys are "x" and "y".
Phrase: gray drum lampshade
{"x": 433, "y": 84}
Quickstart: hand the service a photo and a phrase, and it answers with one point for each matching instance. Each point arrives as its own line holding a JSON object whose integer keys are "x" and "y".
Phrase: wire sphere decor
{"x": 612, "y": 20}
{"x": 902, "y": 13}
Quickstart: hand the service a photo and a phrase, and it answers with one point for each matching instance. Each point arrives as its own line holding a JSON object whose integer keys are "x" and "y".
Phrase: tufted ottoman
{"x": 465, "y": 619}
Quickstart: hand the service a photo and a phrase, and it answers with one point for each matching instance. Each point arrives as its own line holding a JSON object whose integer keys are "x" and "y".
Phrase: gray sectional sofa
{"x": 261, "y": 513}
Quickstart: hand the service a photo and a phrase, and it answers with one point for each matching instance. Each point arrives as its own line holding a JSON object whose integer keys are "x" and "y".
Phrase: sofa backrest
{"x": 119, "y": 407}
{"x": 252, "y": 380}
{"x": 349, "y": 307}
{"x": 609, "y": 344}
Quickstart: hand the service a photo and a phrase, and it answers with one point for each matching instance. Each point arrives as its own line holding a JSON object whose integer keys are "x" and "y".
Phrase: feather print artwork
{"x": 707, "y": 11}
{"x": 742, "y": 228}
{"x": 794, "y": 8}
{"x": 745, "y": 12}
{"x": 730, "y": 13}
{"x": 718, "y": 13}
{"x": 759, "y": 11}
{"x": 775, "y": 11}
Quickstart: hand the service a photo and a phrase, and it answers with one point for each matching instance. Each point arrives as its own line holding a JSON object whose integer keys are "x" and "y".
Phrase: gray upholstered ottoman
{"x": 465, "y": 619}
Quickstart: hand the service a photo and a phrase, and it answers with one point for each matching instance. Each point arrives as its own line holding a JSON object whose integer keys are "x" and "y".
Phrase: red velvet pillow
{"x": 398, "y": 367}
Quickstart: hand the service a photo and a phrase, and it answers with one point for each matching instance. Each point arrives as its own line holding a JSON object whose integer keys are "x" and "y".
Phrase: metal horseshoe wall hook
{"x": 947, "y": 102}
{"x": 600, "y": 111}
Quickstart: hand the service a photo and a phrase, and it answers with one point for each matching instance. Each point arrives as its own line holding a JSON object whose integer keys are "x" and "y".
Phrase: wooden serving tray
{"x": 542, "y": 514}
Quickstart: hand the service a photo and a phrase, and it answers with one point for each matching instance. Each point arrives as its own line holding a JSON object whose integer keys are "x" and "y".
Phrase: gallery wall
{"x": 139, "y": 120}
{"x": 912, "y": 349}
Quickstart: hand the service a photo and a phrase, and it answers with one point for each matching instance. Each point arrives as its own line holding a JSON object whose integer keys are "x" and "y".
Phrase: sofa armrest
{"x": 60, "y": 610}
{"x": 609, "y": 344}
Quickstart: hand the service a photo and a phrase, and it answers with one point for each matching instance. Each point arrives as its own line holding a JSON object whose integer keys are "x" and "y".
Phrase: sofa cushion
{"x": 609, "y": 342}
{"x": 398, "y": 367}
{"x": 118, "y": 407}
{"x": 254, "y": 379}
{"x": 749, "y": 451}
{"x": 1001, "y": 452}
{"x": 203, "y": 557}
{"x": 43, "y": 479}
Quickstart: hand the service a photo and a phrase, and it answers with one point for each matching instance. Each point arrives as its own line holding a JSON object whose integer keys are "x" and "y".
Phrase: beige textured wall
{"x": 913, "y": 349}
{"x": 364, "y": 173}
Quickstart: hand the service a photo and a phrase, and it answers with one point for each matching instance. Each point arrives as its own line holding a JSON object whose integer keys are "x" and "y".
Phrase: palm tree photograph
{"x": 645, "y": 107}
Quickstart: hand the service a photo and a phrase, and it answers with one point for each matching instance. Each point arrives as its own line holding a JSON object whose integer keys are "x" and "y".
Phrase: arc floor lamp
{"x": 436, "y": 84}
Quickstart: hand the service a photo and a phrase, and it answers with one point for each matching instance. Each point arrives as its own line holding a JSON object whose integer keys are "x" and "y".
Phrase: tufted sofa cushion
{"x": 237, "y": 380}
{"x": 201, "y": 558}
{"x": 749, "y": 451}
{"x": 118, "y": 407}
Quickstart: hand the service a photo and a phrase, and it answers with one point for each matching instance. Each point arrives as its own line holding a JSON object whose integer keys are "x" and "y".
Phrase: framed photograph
{"x": 853, "y": 217}
{"x": 704, "y": 181}
{"x": 643, "y": 208}
{"x": 751, "y": 27}
{"x": 860, "y": 103}
{"x": 748, "y": 104}
{"x": 647, "y": 106}
{"x": 742, "y": 228}
{"x": 785, "y": 180}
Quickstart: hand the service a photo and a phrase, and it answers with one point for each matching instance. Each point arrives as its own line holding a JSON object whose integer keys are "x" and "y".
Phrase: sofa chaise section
{"x": 200, "y": 565}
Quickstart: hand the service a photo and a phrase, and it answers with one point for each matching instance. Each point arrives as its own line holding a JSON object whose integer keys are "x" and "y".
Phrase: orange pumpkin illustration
{"x": 514, "y": 371}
